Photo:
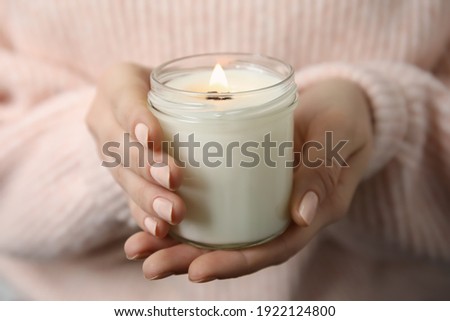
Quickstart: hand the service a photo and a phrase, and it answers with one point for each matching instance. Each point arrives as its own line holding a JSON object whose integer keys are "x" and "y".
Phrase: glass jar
{"x": 236, "y": 145}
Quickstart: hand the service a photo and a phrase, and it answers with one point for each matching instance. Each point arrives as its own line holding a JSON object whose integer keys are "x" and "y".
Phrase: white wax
{"x": 240, "y": 83}
{"x": 238, "y": 80}
{"x": 233, "y": 205}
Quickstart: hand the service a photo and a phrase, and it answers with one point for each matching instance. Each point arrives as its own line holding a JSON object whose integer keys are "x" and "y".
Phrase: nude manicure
{"x": 150, "y": 224}
{"x": 204, "y": 280}
{"x": 161, "y": 174}
{"x": 308, "y": 207}
{"x": 141, "y": 133}
{"x": 159, "y": 276}
{"x": 163, "y": 208}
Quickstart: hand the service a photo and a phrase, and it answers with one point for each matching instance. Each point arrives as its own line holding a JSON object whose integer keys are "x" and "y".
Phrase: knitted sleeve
{"x": 404, "y": 198}
{"x": 55, "y": 198}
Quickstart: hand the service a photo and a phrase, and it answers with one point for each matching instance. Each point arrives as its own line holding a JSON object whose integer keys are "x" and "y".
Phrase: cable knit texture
{"x": 63, "y": 219}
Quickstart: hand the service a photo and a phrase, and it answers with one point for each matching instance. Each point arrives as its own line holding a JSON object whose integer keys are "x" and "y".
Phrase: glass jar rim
{"x": 159, "y": 70}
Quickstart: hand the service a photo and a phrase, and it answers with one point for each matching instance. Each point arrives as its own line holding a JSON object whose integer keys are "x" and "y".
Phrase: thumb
{"x": 315, "y": 180}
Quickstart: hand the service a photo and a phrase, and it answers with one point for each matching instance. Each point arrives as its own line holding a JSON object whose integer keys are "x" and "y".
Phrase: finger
{"x": 151, "y": 198}
{"x": 108, "y": 131}
{"x": 127, "y": 85}
{"x": 314, "y": 180}
{"x": 324, "y": 122}
{"x": 324, "y": 153}
{"x": 231, "y": 264}
{"x": 150, "y": 223}
{"x": 334, "y": 185}
{"x": 155, "y": 166}
{"x": 141, "y": 245}
{"x": 169, "y": 261}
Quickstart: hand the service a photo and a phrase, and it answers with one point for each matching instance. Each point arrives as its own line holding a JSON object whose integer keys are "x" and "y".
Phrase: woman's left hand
{"x": 322, "y": 191}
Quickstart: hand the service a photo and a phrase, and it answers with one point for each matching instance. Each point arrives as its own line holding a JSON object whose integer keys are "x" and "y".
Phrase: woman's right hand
{"x": 120, "y": 107}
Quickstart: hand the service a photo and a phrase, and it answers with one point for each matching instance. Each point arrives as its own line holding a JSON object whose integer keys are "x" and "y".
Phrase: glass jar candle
{"x": 231, "y": 129}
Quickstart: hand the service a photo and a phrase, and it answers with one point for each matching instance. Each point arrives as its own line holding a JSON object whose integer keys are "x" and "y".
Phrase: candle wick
{"x": 217, "y": 97}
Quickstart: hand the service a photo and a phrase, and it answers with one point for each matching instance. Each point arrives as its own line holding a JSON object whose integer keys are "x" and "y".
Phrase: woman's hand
{"x": 322, "y": 191}
{"x": 119, "y": 108}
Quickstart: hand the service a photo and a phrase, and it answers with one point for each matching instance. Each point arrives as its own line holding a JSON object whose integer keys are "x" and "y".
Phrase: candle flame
{"x": 218, "y": 81}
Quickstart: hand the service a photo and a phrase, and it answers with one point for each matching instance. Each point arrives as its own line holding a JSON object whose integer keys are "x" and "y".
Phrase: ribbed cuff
{"x": 387, "y": 103}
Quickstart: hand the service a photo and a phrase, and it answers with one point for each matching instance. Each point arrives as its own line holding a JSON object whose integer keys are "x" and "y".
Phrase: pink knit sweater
{"x": 63, "y": 220}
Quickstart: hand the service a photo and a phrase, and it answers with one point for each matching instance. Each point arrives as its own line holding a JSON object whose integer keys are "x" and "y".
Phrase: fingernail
{"x": 150, "y": 224}
{"x": 204, "y": 280}
{"x": 139, "y": 256}
{"x": 308, "y": 207}
{"x": 163, "y": 208}
{"x": 159, "y": 276}
{"x": 141, "y": 133}
{"x": 161, "y": 174}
